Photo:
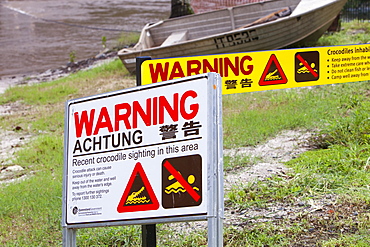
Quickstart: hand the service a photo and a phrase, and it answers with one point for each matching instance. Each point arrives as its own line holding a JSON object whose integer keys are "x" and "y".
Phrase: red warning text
{"x": 224, "y": 66}
{"x": 127, "y": 115}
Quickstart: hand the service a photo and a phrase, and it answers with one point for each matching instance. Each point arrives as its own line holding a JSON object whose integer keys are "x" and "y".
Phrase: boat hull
{"x": 301, "y": 27}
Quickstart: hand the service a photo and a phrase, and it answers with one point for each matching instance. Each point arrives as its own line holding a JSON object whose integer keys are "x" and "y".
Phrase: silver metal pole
{"x": 69, "y": 237}
{"x": 215, "y": 223}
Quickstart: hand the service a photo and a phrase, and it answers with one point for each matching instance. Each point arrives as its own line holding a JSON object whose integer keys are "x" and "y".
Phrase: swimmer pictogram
{"x": 176, "y": 187}
{"x": 307, "y": 67}
{"x": 304, "y": 69}
{"x": 182, "y": 181}
{"x": 139, "y": 194}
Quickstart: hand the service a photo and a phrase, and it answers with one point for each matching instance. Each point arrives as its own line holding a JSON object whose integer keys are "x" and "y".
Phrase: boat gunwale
{"x": 128, "y": 51}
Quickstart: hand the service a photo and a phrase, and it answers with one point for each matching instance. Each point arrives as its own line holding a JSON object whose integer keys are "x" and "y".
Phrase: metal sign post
{"x": 148, "y": 232}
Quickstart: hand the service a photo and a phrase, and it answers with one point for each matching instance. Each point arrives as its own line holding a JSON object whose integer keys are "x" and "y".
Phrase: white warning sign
{"x": 116, "y": 144}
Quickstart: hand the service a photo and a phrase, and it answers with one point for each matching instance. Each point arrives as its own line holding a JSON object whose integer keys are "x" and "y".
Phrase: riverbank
{"x": 287, "y": 195}
{"x": 53, "y": 74}
{"x": 306, "y": 202}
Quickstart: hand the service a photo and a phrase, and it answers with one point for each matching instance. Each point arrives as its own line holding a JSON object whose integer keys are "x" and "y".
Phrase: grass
{"x": 353, "y": 32}
{"x": 59, "y": 91}
{"x": 341, "y": 168}
{"x": 233, "y": 162}
{"x": 112, "y": 236}
{"x": 47, "y": 99}
{"x": 127, "y": 38}
{"x": 30, "y": 210}
{"x": 266, "y": 114}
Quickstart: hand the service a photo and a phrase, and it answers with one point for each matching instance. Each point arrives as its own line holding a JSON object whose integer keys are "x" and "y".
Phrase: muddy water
{"x": 37, "y": 35}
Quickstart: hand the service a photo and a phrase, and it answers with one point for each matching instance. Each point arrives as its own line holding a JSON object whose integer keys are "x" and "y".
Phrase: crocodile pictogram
{"x": 272, "y": 76}
{"x": 134, "y": 199}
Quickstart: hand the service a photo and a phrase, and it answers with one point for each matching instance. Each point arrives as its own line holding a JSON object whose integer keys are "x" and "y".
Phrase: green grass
{"x": 127, "y": 39}
{"x": 112, "y": 236}
{"x": 42, "y": 104}
{"x": 353, "y": 32}
{"x": 341, "y": 168}
{"x": 260, "y": 236}
{"x": 30, "y": 210}
{"x": 61, "y": 90}
{"x": 251, "y": 118}
{"x": 232, "y": 162}
{"x": 350, "y": 240}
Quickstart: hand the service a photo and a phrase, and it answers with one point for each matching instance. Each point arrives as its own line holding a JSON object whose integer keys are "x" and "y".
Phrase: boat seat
{"x": 175, "y": 37}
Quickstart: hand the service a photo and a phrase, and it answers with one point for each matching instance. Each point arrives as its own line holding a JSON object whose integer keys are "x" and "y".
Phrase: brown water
{"x": 37, "y": 35}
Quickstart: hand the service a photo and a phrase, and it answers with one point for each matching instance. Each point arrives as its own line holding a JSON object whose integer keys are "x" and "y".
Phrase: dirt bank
{"x": 11, "y": 140}
{"x": 53, "y": 74}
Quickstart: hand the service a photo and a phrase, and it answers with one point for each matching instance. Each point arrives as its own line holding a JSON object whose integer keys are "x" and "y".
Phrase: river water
{"x": 37, "y": 35}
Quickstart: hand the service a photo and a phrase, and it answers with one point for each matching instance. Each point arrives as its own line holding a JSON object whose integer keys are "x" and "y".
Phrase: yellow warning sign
{"x": 269, "y": 70}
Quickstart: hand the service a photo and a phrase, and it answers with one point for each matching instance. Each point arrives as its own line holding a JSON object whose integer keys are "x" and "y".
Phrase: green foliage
{"x": 342, "y": 168}
{"x": 353, "y": 129}
{"x": 355, "y": 240}
{"x": 39, "y": 94}
{"x": 48, "y": 123}
{"x": 111, "y": 236}
{"x": 248, "y": 119}
{"x": 104, "y": 41}
{"x": 72, "y": 56}
{"x": 232, "y": 162}
{"x": 127, "y": 39}
{"x": 171, "y": 236}
{"x": 30, "y": 211}
{"x": 31, "y": 208}
{"x": 263, "y": 235}
{"x": 353, "y": 32}
{"x": 43, "y": 153}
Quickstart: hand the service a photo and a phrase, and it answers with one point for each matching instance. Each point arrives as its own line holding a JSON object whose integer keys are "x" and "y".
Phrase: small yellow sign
{"x": 269, "y": 70}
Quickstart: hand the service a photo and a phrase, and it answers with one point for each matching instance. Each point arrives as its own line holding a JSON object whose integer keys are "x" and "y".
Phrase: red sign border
{"x": 284, "y": 79}
{"x": 138, "y": 169}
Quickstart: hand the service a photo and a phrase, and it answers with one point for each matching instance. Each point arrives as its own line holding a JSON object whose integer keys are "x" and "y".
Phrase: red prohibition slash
{"x": 182, "y": 181}
{"x": 304, "y": 62}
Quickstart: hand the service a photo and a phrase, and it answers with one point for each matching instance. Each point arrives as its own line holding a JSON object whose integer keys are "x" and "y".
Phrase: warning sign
{"x": 307, "y": 66}
{"x": 273, "y": 73}
{"x": 269, "y": 70}
{"x": 144, "y": 154}
{"x": 182, "y": 181}
{"x": 138, "y": 195}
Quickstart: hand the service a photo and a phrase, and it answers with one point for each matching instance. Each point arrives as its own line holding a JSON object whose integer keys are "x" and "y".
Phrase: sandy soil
{"x": 284, "y": 147}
